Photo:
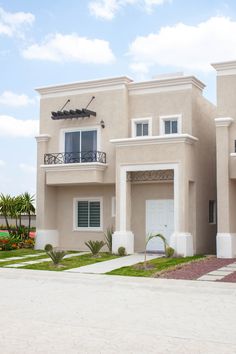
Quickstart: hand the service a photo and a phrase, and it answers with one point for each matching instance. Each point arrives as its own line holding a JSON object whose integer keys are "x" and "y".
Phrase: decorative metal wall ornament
{"x": 153, "y": 175}
{"x": 74, "y": 157}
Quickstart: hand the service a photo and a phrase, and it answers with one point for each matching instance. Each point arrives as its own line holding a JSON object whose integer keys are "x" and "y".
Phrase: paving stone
{"x": 208, "y": 277}
{"x": 220, "y": 272}
{"x": 21, "y": 257}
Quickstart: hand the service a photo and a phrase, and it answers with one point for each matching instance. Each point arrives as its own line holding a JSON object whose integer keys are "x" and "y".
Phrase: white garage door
{"x": 159, "y": 219}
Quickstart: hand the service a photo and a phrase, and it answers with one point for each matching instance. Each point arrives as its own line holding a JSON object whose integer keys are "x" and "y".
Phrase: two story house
{"x": 226, "y": 158}
{"x": 138, "y": 156}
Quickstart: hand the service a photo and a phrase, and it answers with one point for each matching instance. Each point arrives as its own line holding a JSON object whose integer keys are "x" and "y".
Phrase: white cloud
{"x": 107, "y": 9}
{"x": 27, "y": 168}
{"x": 14, "y": 23}
{"x": 186, "y": 47}
{"x": 71, "y": 47}
{"x": 12, "y": 127}
{"x": 2, "y": 163}
{"x": 12, "y": 99}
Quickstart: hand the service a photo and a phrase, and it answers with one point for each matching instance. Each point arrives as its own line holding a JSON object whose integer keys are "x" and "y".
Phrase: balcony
{"x": 73, "y": 168}
{"x": 74, "y": 157}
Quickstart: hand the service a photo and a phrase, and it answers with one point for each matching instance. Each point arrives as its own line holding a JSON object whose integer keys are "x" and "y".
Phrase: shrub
{"x": 108, "y": 238}
{"x": 55, "y": 254}
{"x": 95, "y": 246}
{"x": 121, "y": 251}
{"x": 169, "y": 251}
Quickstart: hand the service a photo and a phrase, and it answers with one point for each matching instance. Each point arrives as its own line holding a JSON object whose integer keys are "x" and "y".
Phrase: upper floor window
{"x": 170, "y": 124}
{"x": 80, "y": 145}
{"x": 141, "y": 127}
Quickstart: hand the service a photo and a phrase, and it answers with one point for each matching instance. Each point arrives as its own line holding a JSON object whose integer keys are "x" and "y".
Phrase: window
{"x": 88, "y": 214}
{"x": 212, "y": 212}
{"x": 170, "y": 124}
{"x": 141, "y": 127}
{"x": 80, "y": 146}
{"x": 113, "y": 207}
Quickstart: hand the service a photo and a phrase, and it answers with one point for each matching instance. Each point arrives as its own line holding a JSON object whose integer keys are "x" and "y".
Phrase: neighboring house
{"x": 226, "y": 158}
{"x": 141, "y": 157}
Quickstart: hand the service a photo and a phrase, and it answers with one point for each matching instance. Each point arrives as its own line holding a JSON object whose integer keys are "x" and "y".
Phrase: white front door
{"x": 159, "y": 220}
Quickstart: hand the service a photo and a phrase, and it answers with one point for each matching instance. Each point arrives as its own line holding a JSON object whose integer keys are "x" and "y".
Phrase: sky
{"x": 50, "y": 42}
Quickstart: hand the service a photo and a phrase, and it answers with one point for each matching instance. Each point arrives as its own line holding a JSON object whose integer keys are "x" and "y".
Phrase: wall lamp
{"x": 102, "y": 123}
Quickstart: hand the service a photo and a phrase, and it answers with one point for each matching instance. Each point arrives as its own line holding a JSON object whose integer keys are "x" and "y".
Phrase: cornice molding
{"x": 42, "y": 137}
{"x": 225, "y": 68}
{"x": 151, "y": 140}
{"x": 83, "y": 86}
{"x": 75, "y": 167}
{"x": 223, "y": 122}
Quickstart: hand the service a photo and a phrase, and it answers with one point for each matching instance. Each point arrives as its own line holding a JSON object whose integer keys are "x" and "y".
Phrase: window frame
{"x": 75, "y": 213}
{"x": 172, "y": 117}
{"x": 145, "y": 120}
{"x": 214, "y": 212}
{"x": 73, "y": 130}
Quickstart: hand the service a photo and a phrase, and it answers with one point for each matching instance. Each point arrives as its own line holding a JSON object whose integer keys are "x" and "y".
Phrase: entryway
{"x": 159, "y": 219}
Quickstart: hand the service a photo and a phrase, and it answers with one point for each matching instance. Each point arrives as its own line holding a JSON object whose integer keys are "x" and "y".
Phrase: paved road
{"x": 46, "y": 312}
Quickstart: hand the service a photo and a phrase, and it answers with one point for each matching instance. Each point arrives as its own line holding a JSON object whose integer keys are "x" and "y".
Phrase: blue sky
{"x": 56, "y": 41}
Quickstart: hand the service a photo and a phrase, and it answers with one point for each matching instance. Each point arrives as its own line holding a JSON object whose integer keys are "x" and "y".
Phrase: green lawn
{"x": 73, "y": 262}
{"x": 158, "y": 263}
{"x": 3, "y": 234}
{"x": 18, "y": 253}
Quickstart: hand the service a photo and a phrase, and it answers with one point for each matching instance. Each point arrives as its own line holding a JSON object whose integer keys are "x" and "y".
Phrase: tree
{"x": 27, "y": 207}
{"x": 6, "y": 208}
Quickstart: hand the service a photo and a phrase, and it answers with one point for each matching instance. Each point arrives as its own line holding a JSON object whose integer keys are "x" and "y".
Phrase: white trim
{"x": 147, "y": 167}
{"x": 225, "y": 68}
{"x": 87, "y": 199}
{"x": 75, "y": 167}
{"x": 91, "y": 86}
{"x": 233, "y": 154}
{"x": 42, "y": 137}
{"x": 171, "y": 117}
{"x": 43, "y": 237}
{"x": 223, "y": 122}
{"x": 226, "y": 245}
{"x": 134, "y": 121}
{"x": 113, "y": 207}
{"x": 78, "y": 129}
{"x": 160, "y": 139}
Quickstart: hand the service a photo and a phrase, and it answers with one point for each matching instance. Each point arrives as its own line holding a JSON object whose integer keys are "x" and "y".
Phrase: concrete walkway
{"x": 108, "y": 266}
{"x": 220, "y": 273}
{"x": 23, "y": 264}
{"x": 59, "y": 312}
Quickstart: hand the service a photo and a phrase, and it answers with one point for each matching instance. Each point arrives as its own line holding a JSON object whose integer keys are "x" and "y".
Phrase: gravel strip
{"x": 197, "y": 269}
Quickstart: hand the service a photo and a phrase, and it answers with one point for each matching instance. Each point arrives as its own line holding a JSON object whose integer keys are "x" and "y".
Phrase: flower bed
{"x": 8, "y": 243}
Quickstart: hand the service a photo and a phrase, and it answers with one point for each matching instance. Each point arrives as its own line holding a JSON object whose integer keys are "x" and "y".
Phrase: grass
{"x": 73, "y": 262}
{"x": 159, "y": 264}
{"x": 18, "y": 253}
{"x": 3, "y": 234}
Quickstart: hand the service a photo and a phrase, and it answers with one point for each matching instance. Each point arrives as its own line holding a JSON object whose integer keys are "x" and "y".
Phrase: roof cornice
{"x": 92, "y": 85}
{"x": 175, "y": 83}
{"x": 225, "y": 68}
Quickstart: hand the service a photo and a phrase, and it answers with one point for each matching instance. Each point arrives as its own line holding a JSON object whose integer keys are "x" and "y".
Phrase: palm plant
{"x": 27, "y": 206}
{"x": 108, "y": 238}
{"x": 95, "y": 246}
{"x": 55, "y": 254}
{"x": 5, "y": 208}
{"x": 149, "y": 238}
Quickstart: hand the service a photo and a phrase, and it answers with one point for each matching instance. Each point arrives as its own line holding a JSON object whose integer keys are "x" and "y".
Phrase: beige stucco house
{"x": 141, "y": 157}
{"x": 226, "y": 158}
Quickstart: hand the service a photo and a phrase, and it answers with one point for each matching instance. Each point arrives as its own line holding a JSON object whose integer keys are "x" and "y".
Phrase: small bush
{"x": 48, "y": 248}
{"x": 108, "y": 238}
{"x": 55, "y": 254}
{"x": 95, "y": 246}
{"x": 121, "y": 251}
{"x": 169, "y": 251}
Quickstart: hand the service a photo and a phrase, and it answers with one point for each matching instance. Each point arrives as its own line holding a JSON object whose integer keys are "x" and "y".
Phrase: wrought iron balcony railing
{"x": 74, "y": 157}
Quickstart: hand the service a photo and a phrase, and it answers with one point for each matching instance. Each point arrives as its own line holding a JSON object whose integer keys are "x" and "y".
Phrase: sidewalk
{"x": 108, "y": 266}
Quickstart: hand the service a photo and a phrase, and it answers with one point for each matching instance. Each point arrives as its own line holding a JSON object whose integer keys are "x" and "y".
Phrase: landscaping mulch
{"x": 231, "y": 278}
{"x": 196, "y": 269}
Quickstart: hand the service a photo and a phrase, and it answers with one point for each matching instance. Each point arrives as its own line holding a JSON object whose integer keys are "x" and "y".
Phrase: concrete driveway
{"x": 48, "y": 312}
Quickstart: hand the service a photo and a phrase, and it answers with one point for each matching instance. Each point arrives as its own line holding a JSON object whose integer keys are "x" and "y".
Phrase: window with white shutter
{"x": 88, "y": 214}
